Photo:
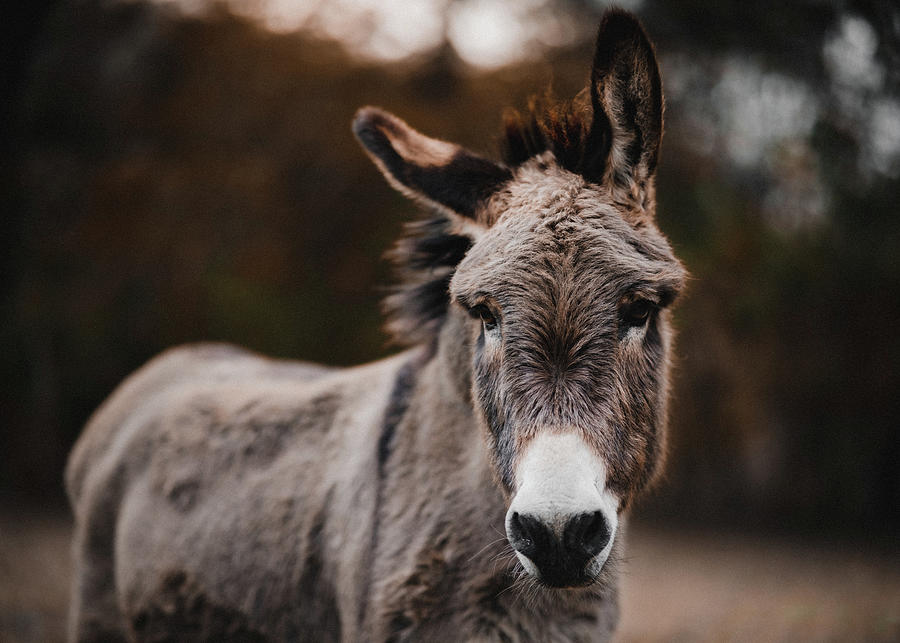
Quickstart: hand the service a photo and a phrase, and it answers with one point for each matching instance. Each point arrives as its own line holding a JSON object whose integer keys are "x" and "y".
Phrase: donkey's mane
{"x": 424, "y": 260}
{"x": 427, "y": 254}
{"x": 547, "y": 124}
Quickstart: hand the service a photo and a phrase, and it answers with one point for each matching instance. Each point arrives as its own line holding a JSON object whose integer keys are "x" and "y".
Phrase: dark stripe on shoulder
{"x": 397, "y": 406}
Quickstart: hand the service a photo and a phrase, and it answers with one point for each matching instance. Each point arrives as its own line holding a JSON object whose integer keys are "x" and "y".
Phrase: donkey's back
{"x": 175, "y": 472}
{"x": 168, "y": 374}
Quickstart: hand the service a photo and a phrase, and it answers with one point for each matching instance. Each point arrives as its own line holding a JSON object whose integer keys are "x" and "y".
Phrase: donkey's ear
{"x": 626, "y": 95}
{"x": 424, "y": 168}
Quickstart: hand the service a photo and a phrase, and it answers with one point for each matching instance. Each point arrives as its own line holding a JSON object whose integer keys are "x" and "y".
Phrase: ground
{"x": 710, "y": 587}
{"x": 678, "y": 586}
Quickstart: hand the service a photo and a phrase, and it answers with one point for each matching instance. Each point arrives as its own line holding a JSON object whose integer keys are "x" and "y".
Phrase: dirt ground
{"x": 709, "y": 587}
{"x": 677, "y": 587}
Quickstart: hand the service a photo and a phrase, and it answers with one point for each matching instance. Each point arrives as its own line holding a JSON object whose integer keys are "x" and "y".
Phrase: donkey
{"x": 472, "y": 487}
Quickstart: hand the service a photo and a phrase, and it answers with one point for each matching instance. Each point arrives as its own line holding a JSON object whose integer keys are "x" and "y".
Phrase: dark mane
{"x": 561, "y": 127}
{"x": 424, "y": 260}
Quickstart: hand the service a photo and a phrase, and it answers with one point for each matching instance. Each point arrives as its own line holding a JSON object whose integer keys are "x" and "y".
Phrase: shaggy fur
{"x": 220, "y": 495}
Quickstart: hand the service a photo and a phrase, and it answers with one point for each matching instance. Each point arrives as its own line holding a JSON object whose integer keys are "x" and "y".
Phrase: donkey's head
{"x": 547, "y": 282}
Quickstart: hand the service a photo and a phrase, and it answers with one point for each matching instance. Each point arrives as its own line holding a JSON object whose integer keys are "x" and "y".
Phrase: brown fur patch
{"x": 422, "y": 595}
{"x": 182, "y": 611}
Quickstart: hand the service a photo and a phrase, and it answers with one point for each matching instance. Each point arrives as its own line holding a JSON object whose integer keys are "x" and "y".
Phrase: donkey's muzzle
{"x": 561, "y": 553}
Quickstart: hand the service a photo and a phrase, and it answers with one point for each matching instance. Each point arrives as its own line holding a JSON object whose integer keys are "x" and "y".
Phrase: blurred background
{"x": 176, "y": 171}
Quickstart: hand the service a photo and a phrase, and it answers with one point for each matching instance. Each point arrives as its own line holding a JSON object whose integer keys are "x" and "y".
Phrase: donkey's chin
{"x": 563, "y": 577}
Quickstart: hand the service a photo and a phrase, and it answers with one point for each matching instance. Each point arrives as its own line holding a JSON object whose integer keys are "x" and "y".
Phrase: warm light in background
{"x": 484, "y": 33}
{"x": 760, "y": 120}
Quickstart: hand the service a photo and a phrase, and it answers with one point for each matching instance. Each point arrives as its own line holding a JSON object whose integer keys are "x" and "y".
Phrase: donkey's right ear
{"x": 426, "y": 169}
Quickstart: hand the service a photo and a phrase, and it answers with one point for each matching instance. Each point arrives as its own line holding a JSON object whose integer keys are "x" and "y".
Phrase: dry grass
{"x": 678, "y": 587}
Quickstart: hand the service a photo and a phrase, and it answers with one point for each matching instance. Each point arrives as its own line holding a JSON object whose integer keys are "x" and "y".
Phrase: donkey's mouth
{"x": 554, "y": 582}
{"x": 561, "y": 573}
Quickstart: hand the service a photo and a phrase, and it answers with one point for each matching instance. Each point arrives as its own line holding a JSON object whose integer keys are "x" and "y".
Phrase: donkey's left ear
{"x": 424, "y": 168}
{"x": 626, "y": 95}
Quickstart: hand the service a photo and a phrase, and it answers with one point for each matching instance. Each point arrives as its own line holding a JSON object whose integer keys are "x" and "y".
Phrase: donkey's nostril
{"x": 561, "y": 552}
{"x": 517, "y": 532}
{"x": 524, "y": 532}
{"x": 588, "y": 532}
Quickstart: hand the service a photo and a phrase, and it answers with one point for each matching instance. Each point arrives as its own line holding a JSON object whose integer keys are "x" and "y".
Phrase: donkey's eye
{"x": 637, "y": 313}
{"x": 485, "y": 315}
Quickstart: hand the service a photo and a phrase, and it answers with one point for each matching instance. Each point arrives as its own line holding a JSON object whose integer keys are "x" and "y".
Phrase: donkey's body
{"x": 220, "y": 495}
{"x": 231, "y": 497}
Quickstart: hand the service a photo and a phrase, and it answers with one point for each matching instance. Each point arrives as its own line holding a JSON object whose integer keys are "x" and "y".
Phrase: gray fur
{"x": 221, "y": 495}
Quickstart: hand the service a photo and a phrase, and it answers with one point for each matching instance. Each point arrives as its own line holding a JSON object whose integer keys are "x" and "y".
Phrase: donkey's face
{"x": 563, "y": 279}
{"x": 569, "y": 343}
